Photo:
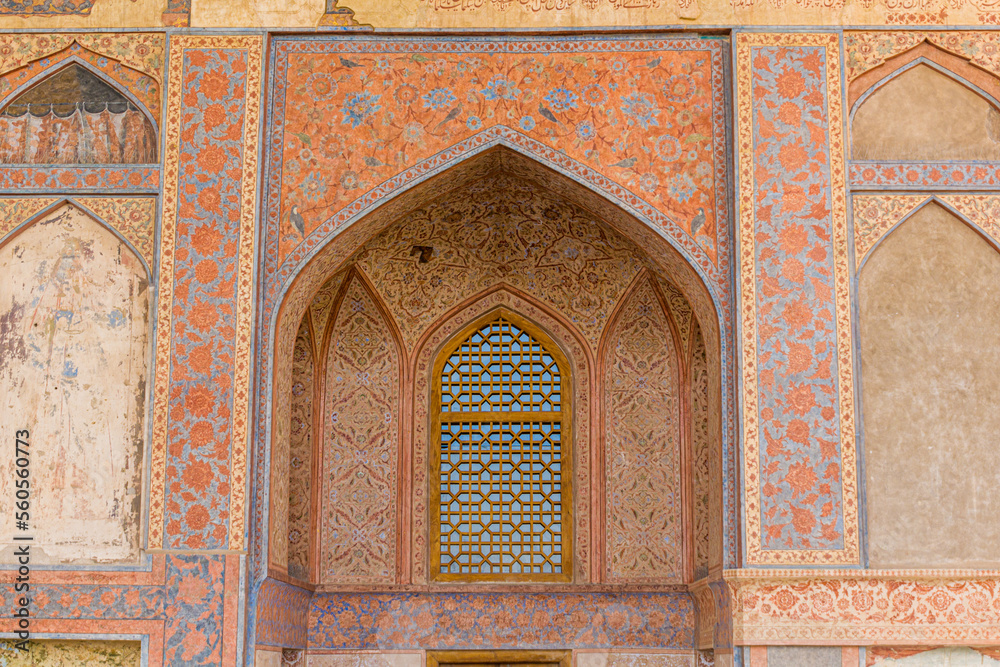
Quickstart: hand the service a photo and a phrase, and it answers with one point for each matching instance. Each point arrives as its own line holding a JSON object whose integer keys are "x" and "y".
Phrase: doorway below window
{"x": 498, "y": 658}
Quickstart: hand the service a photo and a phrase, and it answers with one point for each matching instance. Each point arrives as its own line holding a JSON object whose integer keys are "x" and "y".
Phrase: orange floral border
{"x": 845, "y": 607}
{"x": 253, "y": 44}
{"x": 755, "y": 554}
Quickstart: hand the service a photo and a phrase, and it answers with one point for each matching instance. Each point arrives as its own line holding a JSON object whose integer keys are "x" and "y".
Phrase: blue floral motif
{"x": 679, "y": 88}
{"x": 585, "y": 131}
{"x": 594, "y": 95}
{"x": 358, "y": 106}
{"x": 314, "y": 187}
{"x": 681, "y": 187}
{"x": 561, "y": 99}
{"x": 649, "y": 182}
{"x": 473, "y": 123}
{"x": 641, "y": 108}
{"x": 668, "y": 148}
{"x": 527, "y": 123}
{"x": 500, "y": 88}
{"x": 439, "y": 98}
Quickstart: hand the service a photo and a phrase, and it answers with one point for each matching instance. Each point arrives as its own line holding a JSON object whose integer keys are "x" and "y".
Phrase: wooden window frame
{"x": 560, "y": 658}
{"x": 565, "y": 418}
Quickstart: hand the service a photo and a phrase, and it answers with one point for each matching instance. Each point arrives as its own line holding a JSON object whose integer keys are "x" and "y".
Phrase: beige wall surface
{"x": 923, "y": 114}
{"x": 73, "y": 350}
{"x": 110, "y": 14}
{"x": 71, "y": 653}
{"x": 103, "y": 14}
{"x": 596, "y": 13}
{"x": 930, "y": 350}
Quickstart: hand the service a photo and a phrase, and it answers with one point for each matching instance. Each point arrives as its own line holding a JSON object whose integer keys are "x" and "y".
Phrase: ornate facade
{"x": 481, "y": 332}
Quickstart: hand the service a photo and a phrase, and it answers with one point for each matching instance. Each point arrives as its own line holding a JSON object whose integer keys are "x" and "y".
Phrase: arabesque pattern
{"x": 865, "y": 50}
{"x": 300, "y": 452}
{"x": 501, "y": 229}
{"x": 703, "y": 466}
{"x": 642, "y": 445}
{"x": 132, "y": 217}
{"x": 135, "y": 62}
{"x": 322, "y": 306}
{"x": 205, "y": 294}
{"x": 361, "y": 444}
{"x": 403, "y": 621}
{"x": 901, "y": 607}
{"x": 876, "y": 215}
{"x": 798, "y": 388}
{"x": 645, "y": 116}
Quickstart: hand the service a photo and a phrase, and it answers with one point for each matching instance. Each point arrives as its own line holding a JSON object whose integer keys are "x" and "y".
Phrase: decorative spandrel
{"x": 502, "y": 500}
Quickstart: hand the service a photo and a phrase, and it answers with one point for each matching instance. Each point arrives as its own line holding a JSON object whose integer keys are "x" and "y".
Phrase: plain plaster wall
{"x": 930, "y": 351}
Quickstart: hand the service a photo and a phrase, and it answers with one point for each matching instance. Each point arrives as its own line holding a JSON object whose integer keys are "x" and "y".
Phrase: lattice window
{"x": 501, "y": 485}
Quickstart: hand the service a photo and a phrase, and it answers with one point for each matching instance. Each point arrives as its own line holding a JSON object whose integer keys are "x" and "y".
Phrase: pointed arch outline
{"x": 444, "y": 353}
{"x": 573, "y": 346}
{"x": 483, "y": 143}
{"x": 992, "y": 240}
{"x": 684, "y": 450}
{"x": 278, "y": 284}
{"x": 354, "y": 274}
{"x": 66, "y": 62}
{"x": 78, "y": 202}
{"x": 956, "y": 66}
{"x": 145, "y": 477}
{"x": 917, "y": 62}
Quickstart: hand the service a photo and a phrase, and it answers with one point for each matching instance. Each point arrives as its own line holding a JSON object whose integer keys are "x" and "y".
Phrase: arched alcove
{"x": 359, "y": 440}
{"x": 74, "y": 304}
{"x": 930, "y": 355}
{"x": 924, "y": 112}
{"x": 500, "y": 232}
{"x": 643, "y": 399}
{"x": 75, "y": 116}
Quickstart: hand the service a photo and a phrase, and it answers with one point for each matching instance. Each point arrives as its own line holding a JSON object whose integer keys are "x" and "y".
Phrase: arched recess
{"x": 581, "y": 369}
{"x": 924, "y": 110}
{"x": 75, "y": 304}
{"x": 354, "y": 247}
{"x": 643, "y": 402}
{"x": 362, "y": 374}
{"x": 302, "y": 434}
{"x": 73, "y": 114}
{"x": 930, "y": 345}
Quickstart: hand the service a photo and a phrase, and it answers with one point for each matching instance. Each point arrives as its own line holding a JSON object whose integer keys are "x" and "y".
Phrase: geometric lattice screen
{"x": 504, "y": 471}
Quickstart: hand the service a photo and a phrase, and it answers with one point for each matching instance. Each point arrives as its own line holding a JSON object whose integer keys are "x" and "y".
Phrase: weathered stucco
{"x": 930, "y": 352}
{"x": 71, "y": 653}
{"x": 73, "y": 350}
{"x": 923, "y": 114}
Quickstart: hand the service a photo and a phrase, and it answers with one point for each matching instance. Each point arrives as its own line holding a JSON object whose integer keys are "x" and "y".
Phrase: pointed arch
{"x": 572, "y": 345}
{"x": 641, "y": 378}
{"x": 76, "y": 305}
{"x": 302, "y": 437}
{"x": 925, "y": 52}
{"x": 990, "y": 238}
{"x": 11, "y": 228}
{"x": 929, "y": 331}
{"x": 288, "y": 290}
{"x": 98, "y": 134}
{"x": 915, "y": 132}
{"x": 501, "y": 380}
{"x": 362, "y": 375}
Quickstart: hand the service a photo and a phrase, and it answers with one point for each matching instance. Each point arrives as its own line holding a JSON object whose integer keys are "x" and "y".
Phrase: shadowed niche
{"x": 75, "y": 117}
